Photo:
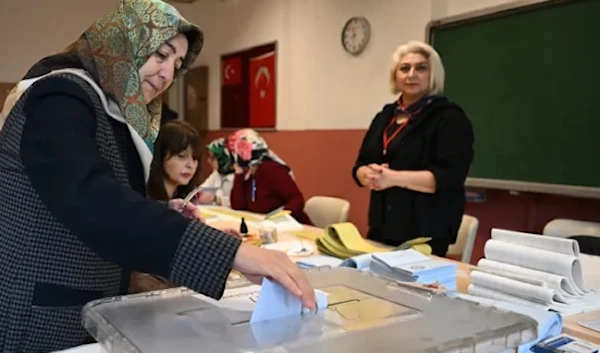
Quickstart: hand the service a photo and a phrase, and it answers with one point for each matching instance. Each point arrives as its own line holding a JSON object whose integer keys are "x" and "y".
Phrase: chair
{"x": 326, "y": 210}
{"x": 564, "y": 228}
{"x": 587, "y": 234}
{"x": 465, "y": 240}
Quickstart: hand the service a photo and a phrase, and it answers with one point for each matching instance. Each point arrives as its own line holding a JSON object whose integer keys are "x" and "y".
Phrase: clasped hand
{"x": 376, "y": 176}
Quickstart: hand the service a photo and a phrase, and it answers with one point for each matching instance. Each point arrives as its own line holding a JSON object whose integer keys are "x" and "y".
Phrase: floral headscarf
{"x": 220, "y": 152}
{"x": 114, "y": 48}
{"x": 249, "y": 149}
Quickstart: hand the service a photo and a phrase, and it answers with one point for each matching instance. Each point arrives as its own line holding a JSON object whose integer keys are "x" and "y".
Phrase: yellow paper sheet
{"x": 351, "y": 239}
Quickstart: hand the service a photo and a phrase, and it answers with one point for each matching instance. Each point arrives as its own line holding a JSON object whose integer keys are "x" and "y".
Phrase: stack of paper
{"x": 549, "y": 323}
{"x": 535, "y": 270}
{"x": 412, "y": 266}
{"x": 343, "y": 241}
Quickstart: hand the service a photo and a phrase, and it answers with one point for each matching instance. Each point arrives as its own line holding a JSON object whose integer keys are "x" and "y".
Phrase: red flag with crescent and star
{"x": 232, "y": 71}
{"x": 234, "y": 99}
{"x": 262, "y": 89}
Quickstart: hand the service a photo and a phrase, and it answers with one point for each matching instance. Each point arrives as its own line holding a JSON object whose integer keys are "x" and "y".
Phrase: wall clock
{"x": 356, "y": 35}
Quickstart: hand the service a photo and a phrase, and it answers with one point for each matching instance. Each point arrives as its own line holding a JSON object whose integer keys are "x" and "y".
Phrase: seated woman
{"x": 173, "y": 173}
{"x": 262, "y": 182}
{"x": 416, "y": 155}
{"x": 221, "y": 178}
{"x": 174, "y": 170}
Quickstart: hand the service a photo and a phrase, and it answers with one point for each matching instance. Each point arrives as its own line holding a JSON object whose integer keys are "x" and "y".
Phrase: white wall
{"x": 456, "y": 7}
{"x": 32, "y": 29}
{"x": 319, "y": 85}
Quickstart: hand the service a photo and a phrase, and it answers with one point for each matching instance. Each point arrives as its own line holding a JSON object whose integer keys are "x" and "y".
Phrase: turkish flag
{"x": 262, "y": 89}
{"x": 231, "y": 70}
{"x": 234, "y": 96}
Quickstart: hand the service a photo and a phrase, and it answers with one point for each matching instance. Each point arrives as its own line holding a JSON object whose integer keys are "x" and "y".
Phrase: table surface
{"x": 570, "y": 326}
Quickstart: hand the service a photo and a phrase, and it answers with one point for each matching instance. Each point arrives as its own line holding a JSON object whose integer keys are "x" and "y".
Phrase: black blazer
{"x": 440, "y": 139}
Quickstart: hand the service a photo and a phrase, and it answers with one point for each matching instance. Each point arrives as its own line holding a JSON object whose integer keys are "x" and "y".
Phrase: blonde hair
{"x": 436, "y": 83}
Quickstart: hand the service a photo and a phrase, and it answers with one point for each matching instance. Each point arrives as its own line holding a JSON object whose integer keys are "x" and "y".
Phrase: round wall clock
{"x": 356, "y": 35}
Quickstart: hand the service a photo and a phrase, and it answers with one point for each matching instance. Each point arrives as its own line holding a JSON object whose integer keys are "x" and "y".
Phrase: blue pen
{"x": 253, "y": 190}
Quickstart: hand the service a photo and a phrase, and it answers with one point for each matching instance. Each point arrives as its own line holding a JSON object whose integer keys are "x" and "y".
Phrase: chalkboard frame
{"x": 495, "y": 12}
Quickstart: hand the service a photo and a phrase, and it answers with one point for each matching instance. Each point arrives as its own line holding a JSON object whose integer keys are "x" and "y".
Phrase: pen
{"x": 253, "y": 190}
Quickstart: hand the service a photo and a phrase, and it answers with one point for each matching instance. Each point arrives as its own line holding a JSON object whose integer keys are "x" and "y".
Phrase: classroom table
{"x": 570, "y": 325}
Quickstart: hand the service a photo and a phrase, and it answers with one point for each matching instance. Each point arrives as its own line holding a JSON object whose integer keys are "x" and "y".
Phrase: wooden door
{"x": 5, "y": 87}
{"x": 196, "y": 98}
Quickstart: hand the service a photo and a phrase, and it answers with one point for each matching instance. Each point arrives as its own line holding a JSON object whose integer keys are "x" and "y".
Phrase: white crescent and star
{"x": 262, "y": 71}
{"x": 228, "y": 71}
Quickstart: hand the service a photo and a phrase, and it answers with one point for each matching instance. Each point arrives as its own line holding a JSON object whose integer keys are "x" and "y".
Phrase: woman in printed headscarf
{"x": 263, "y": 181}
{"x": 75, "y": 147}
{"x": 221, "y": 178}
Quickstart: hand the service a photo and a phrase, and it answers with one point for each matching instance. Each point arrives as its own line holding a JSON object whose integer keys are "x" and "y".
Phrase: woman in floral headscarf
{"x": 76, "y": 146}
{"x": 221, "y": 178}
{"x": 263, "y": 182}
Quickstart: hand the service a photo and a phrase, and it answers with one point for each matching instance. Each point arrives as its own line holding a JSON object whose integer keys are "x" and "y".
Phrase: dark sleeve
{"x": 237, "y": 198}
{"x": 361, "y": 159}
{"x": 453, "y": 150}
{"x": 286, "y": 188}
{"x": 77, "y": 185}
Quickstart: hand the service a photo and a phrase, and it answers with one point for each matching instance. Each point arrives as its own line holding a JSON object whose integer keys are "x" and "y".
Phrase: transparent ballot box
{"x": 365, "y": 313}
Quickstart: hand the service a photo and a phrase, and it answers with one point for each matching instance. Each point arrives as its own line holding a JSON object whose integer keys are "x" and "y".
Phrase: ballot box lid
{"x": 365, "y": 313}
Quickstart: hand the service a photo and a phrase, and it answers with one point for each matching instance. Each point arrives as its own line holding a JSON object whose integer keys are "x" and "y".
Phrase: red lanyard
{"x": 387, "y": 139}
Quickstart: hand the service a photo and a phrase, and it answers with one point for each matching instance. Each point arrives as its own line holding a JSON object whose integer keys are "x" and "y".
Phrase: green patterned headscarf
{"x": 114, "y": 48}
{"x": 220, "y": 152}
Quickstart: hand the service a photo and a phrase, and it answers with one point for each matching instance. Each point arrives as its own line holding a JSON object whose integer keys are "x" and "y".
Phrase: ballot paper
{"x": 269, "y": 301}
{"x": 275, "y": 301}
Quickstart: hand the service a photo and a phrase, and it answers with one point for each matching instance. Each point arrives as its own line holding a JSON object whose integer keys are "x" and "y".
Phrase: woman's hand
{"x": 188, "y": 209}
{"x": 382, "y": 176}
{"x": 365, "y": 175}
{"x": 237, "y": 169}
{"x": 415, "y": 180}
{"x": 257, "y": 263}
{"x": 207, "y": 198}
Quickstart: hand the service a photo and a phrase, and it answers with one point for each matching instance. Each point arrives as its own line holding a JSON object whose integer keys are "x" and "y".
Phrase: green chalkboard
{"x": 529, "y": 79}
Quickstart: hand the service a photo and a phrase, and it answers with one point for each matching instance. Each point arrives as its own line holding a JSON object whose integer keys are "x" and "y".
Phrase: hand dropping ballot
{"x": 275, "y": 301}
{"x": 266, "y": 302}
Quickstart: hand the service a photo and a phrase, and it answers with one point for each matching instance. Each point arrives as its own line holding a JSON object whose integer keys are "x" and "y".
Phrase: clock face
{"x": 356, "y": 35}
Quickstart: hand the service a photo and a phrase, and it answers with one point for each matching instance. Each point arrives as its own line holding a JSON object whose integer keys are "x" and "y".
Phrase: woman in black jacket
{"x": 416, "y": 155}
{"x": 74, "y": 154}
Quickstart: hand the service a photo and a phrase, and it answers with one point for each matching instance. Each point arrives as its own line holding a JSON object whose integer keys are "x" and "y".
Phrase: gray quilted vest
{"x": 35, "y": 248}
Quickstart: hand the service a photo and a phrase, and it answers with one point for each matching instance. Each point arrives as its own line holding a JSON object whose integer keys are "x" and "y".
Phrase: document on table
{"x": 592, "y": 325}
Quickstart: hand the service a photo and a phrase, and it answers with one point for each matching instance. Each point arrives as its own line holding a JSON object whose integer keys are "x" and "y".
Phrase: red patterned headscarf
{"x": 249, "y": 149}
